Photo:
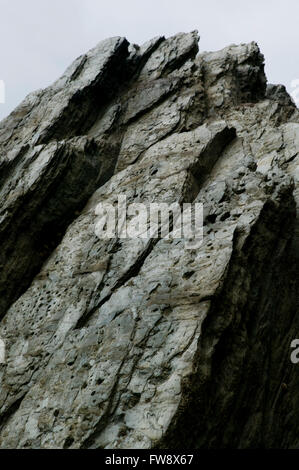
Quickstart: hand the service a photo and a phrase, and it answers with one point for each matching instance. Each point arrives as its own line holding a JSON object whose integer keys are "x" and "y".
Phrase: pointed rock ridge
{"x": 233, "y": 75}
{"x": 143, "y": 343}
{"x": 69, "y": 106}
{"x": 39, "y": 200}
{"x": 80, "y": 273}
{"x": 170, "y": 55}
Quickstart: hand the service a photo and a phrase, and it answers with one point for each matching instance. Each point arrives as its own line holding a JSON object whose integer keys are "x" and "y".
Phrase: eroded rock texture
{"x": 127, "y": 343}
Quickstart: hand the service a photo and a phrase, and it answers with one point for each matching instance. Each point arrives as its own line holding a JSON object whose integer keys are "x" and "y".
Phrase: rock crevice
{"x": 143, "y": 343}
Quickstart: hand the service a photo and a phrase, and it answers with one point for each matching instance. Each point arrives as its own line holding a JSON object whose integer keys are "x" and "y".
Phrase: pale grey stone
{"x": 143, "y": 343}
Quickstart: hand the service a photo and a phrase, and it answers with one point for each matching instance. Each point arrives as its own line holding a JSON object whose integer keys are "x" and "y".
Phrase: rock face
{"x": 142, "y": 343}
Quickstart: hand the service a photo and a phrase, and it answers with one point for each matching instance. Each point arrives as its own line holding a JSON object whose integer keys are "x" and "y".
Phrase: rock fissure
{"x": 143, "y": 343}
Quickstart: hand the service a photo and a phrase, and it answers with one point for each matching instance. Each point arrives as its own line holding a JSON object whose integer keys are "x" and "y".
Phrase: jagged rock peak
{"x": 142, "y": 343}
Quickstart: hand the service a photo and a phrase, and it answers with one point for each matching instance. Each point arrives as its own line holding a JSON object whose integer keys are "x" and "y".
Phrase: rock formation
{"x": 142, "y": 343}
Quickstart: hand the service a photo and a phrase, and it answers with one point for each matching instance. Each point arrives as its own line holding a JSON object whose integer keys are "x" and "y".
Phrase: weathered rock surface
{"x": 142, "y": 343}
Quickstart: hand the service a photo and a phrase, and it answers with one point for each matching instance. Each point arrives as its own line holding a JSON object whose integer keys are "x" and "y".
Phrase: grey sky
{"x": 40, "y": 38}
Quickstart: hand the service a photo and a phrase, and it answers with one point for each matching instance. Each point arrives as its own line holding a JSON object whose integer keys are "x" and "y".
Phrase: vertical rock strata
{"x": 142, "y": 343}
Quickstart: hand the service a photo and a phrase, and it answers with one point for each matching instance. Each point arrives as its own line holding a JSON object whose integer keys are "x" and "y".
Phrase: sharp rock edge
{"x": 135, "y": 344}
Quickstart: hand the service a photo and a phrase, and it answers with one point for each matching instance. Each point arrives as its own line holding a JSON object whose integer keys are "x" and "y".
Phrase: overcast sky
{"x": 40, "y": 38}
